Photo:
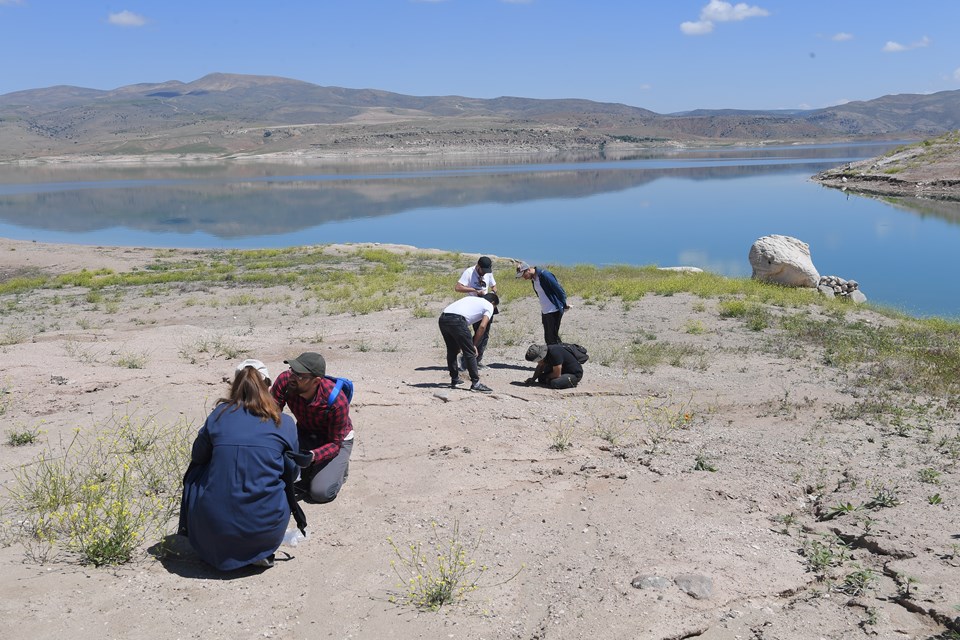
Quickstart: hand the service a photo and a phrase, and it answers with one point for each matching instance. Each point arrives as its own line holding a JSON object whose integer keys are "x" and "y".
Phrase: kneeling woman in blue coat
{"x": 235, "y": 506}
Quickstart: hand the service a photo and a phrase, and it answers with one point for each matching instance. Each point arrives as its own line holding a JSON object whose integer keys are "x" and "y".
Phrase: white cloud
{"x": 842, "y": 37}
{"x": 956, "y": 74}
{"x": 126, "y": 19}
{"x": 720, "y": 11}
{"x": 3, "y": 2}
{"x": 896, "y": 47}
{"x": 696, "y": 28}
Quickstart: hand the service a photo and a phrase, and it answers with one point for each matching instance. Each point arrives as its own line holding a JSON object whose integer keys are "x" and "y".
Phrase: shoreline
{"x": 926, "y": 170}
{"x": 929, "y": 189}
{"x": 21, "y": 257}
{"x": 427, "y": 154}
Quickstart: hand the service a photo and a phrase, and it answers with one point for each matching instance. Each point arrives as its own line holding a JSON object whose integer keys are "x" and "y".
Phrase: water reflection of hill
{"x": 261, "y": 205}
{"x": 948, "y": 210}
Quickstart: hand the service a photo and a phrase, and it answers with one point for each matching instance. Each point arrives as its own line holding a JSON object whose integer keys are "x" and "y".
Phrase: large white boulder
{"x": 783, "y": 260}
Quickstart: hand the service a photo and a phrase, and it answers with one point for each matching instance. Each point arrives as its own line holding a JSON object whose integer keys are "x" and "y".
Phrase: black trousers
{"x": 456, "y": 335}
{"x": 483, "y": 341}
{"x": 551, "y": 327}
{"x": 564, "y": 381}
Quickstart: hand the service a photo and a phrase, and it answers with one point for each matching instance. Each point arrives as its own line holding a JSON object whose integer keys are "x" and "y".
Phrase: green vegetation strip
{"x": 917, "y": 354}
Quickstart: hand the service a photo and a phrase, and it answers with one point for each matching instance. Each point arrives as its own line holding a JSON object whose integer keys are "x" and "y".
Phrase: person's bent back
{"x": 235, "y": 508}
{"x": 556, "y": 366}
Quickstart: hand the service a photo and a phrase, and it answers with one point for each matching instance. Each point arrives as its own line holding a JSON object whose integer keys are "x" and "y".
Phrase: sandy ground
{"x": 618, "y": 536}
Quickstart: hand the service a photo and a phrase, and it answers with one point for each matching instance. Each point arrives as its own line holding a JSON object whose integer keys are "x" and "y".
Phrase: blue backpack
{"x": 342, "y": 384}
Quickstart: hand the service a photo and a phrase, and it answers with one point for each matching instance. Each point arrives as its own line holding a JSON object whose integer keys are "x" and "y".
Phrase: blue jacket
{"x": 235, "y": 508}
{"x": 551, "y": 288}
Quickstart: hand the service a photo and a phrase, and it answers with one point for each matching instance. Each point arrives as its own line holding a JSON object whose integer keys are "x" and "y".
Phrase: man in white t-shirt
{"x": 478, "y": 280}
{"x": 455, "y": 324}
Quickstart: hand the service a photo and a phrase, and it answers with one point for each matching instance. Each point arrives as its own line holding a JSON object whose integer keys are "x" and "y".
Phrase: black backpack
{"x": 580, "y": 353}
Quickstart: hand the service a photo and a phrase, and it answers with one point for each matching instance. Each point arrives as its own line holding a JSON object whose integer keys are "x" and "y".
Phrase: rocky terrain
{"x": 928, "y": 170}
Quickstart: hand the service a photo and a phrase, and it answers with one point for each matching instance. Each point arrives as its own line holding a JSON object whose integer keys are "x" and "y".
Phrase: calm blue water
{"x": 701, "y": 208}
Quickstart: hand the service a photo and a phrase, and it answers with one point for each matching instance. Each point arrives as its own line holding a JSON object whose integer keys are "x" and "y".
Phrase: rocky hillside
{"x": 929, "y": 169}
{"x": 224, "y": 115}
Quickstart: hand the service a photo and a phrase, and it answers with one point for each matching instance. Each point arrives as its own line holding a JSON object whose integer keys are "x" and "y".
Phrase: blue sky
{"x": 663, "y": 55}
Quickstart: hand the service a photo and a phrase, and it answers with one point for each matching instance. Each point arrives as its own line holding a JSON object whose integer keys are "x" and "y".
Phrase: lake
{"x": 700, "y": 208}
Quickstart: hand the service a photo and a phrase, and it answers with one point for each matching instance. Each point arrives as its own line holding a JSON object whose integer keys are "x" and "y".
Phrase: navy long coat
{"x": 235, "y": 509}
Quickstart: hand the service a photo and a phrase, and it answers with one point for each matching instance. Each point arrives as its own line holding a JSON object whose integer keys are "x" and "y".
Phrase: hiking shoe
{"x": 265, "y": 562}
{"x": 480, "y": 365}
{"x": 455, "y": 382}
{"x": 479, "y": 386}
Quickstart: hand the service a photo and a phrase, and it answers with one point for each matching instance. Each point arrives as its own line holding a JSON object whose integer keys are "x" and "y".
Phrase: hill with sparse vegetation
{"x": 228, "y": 116}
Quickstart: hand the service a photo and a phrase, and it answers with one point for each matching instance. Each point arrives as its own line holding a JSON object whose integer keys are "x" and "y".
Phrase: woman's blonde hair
{"x": 250, "y": 391}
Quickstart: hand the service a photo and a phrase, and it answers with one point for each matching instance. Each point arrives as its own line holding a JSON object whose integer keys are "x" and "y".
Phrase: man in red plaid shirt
{"x": 325, "y": 430}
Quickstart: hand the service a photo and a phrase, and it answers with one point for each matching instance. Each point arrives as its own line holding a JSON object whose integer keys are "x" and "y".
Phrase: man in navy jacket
{"x": 553, "y": 299}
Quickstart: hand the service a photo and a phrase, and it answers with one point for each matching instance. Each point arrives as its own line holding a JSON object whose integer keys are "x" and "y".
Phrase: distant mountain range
{"x": 228, "y": 115}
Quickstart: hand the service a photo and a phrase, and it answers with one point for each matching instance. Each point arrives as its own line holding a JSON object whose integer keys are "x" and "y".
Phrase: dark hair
{"x": 492, "y": 298}
{"x": 250, "y": 391}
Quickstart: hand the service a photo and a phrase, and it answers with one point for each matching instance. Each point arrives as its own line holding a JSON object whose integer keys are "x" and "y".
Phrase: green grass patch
{"x": 647, "y": 355}
{"x": 102, "y": 498}
{"x": 439, "y": 572}
{"x": 23, "y": 436}
{"x": 23, "y": 284}
{"x": 919, "y": 355}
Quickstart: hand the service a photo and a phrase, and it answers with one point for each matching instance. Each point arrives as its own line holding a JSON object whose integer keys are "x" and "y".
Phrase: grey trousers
{"x": 324, "y": 480}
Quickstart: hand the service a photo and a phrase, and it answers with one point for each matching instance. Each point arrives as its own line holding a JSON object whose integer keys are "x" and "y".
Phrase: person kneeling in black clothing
{"x": 556, "y": 366}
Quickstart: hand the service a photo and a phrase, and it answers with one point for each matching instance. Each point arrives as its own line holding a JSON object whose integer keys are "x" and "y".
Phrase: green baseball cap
{"x": 309, "y": 362}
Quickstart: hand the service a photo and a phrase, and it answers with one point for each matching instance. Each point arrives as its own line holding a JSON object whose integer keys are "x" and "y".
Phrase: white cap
{"x": 255, "y": 364}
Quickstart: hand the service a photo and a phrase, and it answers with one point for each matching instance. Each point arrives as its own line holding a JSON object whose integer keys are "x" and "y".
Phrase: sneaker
{"x": 479, "y": 386}
{"x": 460, "y": 364}
{"x": 456, "y": 381}
{"x": 480, "y": 365}
{"x": 265, "y": 562}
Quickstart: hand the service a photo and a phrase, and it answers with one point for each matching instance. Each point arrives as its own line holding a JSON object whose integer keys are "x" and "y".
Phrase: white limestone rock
{"x": 783, "y": 260}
